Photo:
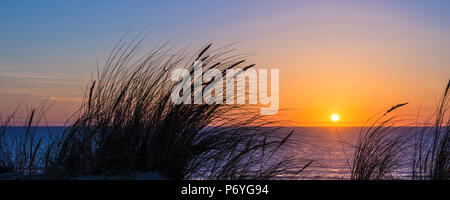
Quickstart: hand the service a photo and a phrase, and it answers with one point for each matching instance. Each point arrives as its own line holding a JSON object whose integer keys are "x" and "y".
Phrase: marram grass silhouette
{"x": 127, "y": 124}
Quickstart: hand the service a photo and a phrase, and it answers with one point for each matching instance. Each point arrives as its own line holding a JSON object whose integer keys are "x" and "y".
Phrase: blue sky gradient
{"x": 49, "y": 47}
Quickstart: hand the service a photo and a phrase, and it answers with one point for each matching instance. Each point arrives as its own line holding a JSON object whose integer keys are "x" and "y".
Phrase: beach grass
{"x": 21, "y": 150}
{"x": 380, "y": 147}
{"x": 127, "y": 123}
{"x": 431, "y": 158}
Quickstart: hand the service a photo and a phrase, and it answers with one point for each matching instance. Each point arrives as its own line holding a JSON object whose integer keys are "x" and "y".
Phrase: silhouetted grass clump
{"x": 20, "y": 148}
{"x": 431, "y": 158}
{"x": 6, "y": 163}
{"x": 128, "y": 123}
{"x": 380, "y": 148}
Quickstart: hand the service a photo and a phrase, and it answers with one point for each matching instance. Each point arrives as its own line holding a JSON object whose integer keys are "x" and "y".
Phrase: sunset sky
{"x": 353, "y": 58}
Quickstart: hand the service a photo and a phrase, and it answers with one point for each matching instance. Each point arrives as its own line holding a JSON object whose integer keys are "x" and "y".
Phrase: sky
{"x": 353, "y": 58}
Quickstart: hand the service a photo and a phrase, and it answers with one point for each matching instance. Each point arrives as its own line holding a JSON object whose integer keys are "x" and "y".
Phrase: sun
{"x": 335, "y": 117}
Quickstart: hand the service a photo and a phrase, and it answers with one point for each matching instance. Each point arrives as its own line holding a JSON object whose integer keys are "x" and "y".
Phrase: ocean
{"x": 329, "y": 148}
